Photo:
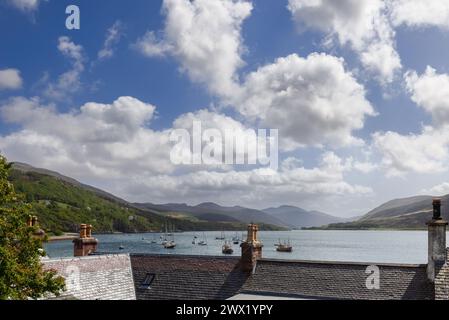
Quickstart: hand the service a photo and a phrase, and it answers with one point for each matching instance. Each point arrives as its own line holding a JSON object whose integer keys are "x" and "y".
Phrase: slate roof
{"x": 182, "y": 277}
{"x": 338, "y": 280}
{"x": 178, "y": 277}
{"x": 104, "y": 277}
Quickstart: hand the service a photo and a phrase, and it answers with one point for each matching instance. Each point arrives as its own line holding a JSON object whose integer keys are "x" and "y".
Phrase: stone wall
{"x": 442, "y": 281}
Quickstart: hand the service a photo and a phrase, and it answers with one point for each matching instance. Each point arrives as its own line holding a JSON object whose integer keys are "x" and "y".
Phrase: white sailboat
{"x": 169, "y": 244}
{"x": 221, "y": 237}
{"x": 163, "y": 238}
{"x": 203, "y": 242}
{"x": 235, "y": 239}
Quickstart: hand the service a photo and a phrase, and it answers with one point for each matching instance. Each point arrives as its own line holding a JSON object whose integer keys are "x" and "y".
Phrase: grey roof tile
{"x": 104, "y": 277}
{"x": 333, "y": 280}
{"x": 187, "y": 277}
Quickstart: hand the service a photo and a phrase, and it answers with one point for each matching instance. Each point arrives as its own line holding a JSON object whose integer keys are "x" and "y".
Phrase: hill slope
{"x": 407, "y": 213}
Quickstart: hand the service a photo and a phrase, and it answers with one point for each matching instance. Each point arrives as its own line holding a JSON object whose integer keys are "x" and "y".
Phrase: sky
{"x": 359, "y": 91}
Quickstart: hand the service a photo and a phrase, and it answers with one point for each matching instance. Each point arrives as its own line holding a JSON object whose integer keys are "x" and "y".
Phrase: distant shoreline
{"x": 66, "y": 236}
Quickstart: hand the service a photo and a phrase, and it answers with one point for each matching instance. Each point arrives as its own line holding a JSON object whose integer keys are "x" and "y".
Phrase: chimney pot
{"x": 83, "y": 231}
{"x": 436, "y": 203}
{"x": 89, "y": 231}
{"x": 30, "y": 221}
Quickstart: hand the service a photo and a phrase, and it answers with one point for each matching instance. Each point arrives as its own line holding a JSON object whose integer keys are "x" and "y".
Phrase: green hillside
{"x": 400, "y": 214}
{"x": 62, "y": 204}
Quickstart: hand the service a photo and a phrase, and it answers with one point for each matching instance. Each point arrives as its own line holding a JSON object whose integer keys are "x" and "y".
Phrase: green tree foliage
{"x": 21, "y": 272}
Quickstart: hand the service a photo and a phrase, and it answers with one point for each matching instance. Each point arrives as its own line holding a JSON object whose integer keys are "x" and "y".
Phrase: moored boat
{"x": 235, "y": 239}
{"x": 227, "y": 248}
{"x": 170, "y": 244}
{"x": 203, "y": 242}
{"x": 284, "y": 247}
{"x": 221, "y": 237}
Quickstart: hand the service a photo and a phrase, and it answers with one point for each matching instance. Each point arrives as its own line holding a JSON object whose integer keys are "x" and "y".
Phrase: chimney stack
{"x": 251, "y": 249}
{"x": 32, "y": 222}
{"x": 436, "y": 241}
{"x": 85, "y": 244}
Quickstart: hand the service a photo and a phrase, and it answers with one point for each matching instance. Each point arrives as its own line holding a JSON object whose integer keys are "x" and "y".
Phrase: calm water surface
{"x": 362, "y": 246}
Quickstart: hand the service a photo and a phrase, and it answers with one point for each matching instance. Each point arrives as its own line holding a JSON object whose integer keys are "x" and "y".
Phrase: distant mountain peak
{"x": 207, "y": 204}
{"x": 288, "y": 207}
{"x": 299, "y": 218}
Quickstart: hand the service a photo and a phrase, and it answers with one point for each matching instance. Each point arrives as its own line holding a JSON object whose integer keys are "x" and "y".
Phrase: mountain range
{"x": 297, "y": 218}
{"x": 285, "y": 216}
{"x": 62, "y": 203}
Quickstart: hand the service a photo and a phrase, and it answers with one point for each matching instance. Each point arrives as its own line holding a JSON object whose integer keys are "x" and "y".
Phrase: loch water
{"x": 319, "y": 245}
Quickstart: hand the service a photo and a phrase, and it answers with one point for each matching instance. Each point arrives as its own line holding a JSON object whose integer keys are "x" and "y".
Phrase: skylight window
{"x": 147, "y": 281}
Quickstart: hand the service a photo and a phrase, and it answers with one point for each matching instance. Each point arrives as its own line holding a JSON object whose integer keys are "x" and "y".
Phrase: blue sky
{"x": 127, "y": 74}
{"x": 383, "y": 96}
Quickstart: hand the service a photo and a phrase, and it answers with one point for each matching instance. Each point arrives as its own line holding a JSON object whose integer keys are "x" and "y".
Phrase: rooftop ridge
{"x": 91, "y": 257}
{"x": 284, "y": 295}
{"x": 360, "y": 263}
{"x": 184, "y": 256}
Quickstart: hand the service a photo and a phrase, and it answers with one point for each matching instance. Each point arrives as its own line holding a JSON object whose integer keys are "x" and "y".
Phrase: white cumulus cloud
{"x": 438, "y": 190}
{"x": 112, "y": 146}
{"x": 312, "y": 101}
{"x": 426, "y": 152}
{"x": 293, "y": 183}
{"x": 100, "y": 138}
{"x": 362, "y": 25}
{"x": 204, "y": 36}
{"x": 419, "y": 13}
{"x": 10, "y": 79}
{"x": 430, "y": 91}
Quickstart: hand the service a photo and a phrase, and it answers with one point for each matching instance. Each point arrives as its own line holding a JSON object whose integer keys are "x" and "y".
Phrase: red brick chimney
{"x": 85, "y": 244}
{"x": 436, "y": 241}
{"x": 251, "y": 249}
{"x": 33, "y": 222}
